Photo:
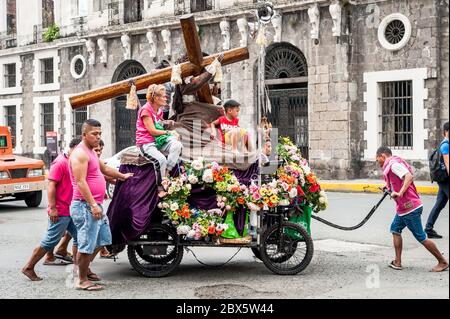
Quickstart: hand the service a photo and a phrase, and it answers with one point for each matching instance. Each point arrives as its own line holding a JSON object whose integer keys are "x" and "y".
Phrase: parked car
{"x": 114, "y": 162}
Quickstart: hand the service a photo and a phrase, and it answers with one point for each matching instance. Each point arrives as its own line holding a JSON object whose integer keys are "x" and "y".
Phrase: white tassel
{"x": 176, "y": 74}
{"x": 219, "y": 74}
{"x": 132, "y": 99}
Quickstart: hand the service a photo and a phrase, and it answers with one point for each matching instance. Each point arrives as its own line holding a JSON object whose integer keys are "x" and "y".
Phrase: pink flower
{"x": 256, "y": 196}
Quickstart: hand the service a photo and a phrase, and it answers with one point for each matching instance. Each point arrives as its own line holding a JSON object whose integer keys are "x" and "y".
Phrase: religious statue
{"x": 103, "y": 47}
{"x": 225, "y": 31}
{"x": 336, "y": 11}
{"x": 126, "y": 44}
{"x": 90, "y": 46}
{"x": 314, "y": 20}
{"x": 153, "y": 42}
{"x": 166, "y": 37}
{"x": 242, "y": 24}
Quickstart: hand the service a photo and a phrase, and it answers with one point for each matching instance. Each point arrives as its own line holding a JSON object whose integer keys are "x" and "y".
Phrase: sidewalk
{"x": 371, "y": 186}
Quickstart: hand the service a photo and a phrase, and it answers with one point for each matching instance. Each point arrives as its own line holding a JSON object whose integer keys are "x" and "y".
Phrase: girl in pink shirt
{"x": 152, "y": 139}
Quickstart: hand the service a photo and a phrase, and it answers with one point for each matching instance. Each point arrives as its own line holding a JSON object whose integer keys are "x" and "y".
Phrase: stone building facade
{"x": 343, "y": 77}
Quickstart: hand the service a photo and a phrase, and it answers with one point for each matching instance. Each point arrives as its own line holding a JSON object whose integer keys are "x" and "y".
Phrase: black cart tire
{"x": 34, "y": 199}
{"x": 286, "y": 250}
{"x": 156, "y": 265}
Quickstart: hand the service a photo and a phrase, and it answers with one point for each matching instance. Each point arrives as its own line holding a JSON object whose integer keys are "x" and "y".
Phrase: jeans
{"x": 92, "y": 233}
{"x": 56, "y": 231}
{"x": 441, "y": 201}
{"x": 413, "y": 222}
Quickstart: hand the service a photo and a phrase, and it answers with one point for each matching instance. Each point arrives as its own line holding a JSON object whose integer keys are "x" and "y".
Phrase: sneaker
{"x": 432, "y": 234}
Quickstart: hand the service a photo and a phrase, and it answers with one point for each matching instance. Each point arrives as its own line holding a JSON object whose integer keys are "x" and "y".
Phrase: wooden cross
{"x": 193, "y": 67}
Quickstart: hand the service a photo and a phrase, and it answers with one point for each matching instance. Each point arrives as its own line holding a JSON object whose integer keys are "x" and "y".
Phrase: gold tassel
{"x": 132, "y": 99}
{"x": 219, "y": 74}
{"x": 176, "y": 74}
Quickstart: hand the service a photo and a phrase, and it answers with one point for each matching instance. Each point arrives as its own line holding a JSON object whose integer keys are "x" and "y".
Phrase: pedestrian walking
{"x": 59, "y": 220}
{"x": 443, "y": 183}
{"x": 89, "y": 187}
{"x": 398, "y": 176}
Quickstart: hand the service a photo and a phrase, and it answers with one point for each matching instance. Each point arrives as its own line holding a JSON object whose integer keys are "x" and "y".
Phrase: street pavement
{"x": 345, "y": 264}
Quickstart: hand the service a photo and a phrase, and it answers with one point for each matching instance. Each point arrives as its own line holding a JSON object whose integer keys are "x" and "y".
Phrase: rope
{"x": 365, "y": 220}
{"x": 212, "y": 266}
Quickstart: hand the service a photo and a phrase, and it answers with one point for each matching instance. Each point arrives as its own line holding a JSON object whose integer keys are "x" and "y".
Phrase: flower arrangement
{"x": 295, "y": 166}
{"x": 294, "y": 182}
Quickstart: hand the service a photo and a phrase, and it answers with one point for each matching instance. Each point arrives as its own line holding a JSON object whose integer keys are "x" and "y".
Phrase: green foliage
{"x": 51, "y": 34}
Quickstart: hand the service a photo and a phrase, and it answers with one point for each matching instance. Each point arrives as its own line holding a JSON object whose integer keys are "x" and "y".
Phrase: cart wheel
{"x": 152, "y": 260}
{"x": 286, "y": 249}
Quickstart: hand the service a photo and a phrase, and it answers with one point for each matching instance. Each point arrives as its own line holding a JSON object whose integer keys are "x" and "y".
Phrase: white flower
{"x": 183, "y": 229}
{"x": 208, "y": 176}
{"x": 190, "y": 234}
{"x": 293, "y": 192}
{"x": 322, "y": 200}
{"x": 306, "y": 170}
{"x": 192, "y": 179}
{"x": 160, "y": 205}
{"x": 295, "y": 158}
{"x": 166, "y": 205}
{"x": 322, "y": 194}
{"x": 174, "y": 207}
{"x": 197, "y": 165}
{"x": 253, "y": 207}
{"x": 228, "y": 207}
{"x": 171, "y": 190}
{"x": 188, "y": 187}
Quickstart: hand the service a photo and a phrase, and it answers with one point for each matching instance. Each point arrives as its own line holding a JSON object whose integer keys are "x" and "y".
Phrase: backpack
{"x": 437, "y": 174}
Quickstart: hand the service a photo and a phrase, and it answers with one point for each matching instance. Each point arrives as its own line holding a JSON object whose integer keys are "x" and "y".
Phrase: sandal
{"x": 67, "y": 258}
{"x": 93, "y": 277}
{"x": 91, "y": 287}
{"x": 56, "y": 262}
{"x": 393, "y": 266}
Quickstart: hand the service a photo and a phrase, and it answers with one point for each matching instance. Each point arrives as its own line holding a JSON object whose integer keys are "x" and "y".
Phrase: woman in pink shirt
{"x": 152, "y": 139}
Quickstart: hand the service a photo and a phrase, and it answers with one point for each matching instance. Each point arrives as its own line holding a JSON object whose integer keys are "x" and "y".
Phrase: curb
{"x": 371, "y": 188}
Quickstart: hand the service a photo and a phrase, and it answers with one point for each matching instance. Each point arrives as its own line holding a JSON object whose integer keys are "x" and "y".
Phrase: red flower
{"x": 241, "y": 201}
{"x": 211, "y": 230}
{"x": 315, "y": 188}
{"x": 271, "y": 204}
{"x": 300, "y": 192}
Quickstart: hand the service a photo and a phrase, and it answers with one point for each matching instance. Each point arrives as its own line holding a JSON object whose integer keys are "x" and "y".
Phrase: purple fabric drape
{"x": 134, "y": 204}
{"x": 244, "y": 177}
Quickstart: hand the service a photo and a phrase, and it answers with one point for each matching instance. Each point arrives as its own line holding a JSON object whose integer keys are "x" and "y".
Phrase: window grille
{"x": 47, "y": 71}
{"x": 10, "y": 120}
{"x": 397, "y": 114}
{"x": 9, "y": 75}
{"x": 47, "y": 124}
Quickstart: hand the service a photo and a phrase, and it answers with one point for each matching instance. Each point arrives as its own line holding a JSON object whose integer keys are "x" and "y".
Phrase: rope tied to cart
{"x": 386, "y": 193}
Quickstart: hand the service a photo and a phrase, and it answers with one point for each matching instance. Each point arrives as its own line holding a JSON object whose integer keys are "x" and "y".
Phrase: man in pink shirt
{"x": 398, "y": 176}
{"x": 59, "y": 199}
{"x": 89, "y": 186}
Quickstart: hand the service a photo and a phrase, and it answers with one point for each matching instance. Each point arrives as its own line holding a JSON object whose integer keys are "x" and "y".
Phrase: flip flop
{"x": 67, "y": 258}
{"x": 393, "y": 266}
{"x": 57, "y": 262}
{"x": 93, "y": 287}
{"x": 93, "y": 277}
{"x": 109, "y": 256}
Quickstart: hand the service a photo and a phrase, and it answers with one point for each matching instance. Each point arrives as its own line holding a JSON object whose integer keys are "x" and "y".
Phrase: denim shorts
{"x": 56, "y": 231}
{"x": 413, "y": 222}
{"x": 92, "y": 233}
